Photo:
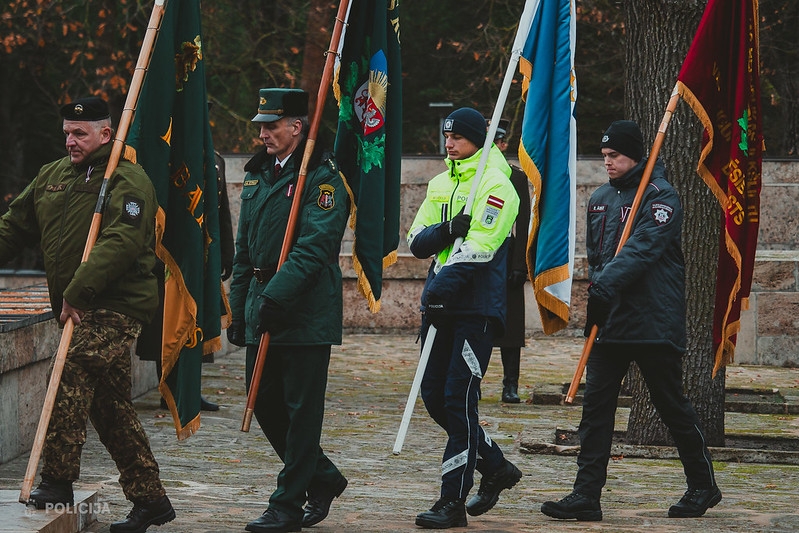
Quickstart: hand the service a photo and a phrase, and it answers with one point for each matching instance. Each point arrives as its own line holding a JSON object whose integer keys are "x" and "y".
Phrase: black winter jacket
{"x": 645, "y": 281}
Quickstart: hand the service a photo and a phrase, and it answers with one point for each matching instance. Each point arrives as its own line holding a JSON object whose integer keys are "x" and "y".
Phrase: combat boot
{"x": 695, "y": 502}
{"x": 447, "y": 512}
{"x": 145, "y": 514}
{"x": 574, "y": 506}
{"x": 490, "y": 486}
{"x": 52, "y": 492}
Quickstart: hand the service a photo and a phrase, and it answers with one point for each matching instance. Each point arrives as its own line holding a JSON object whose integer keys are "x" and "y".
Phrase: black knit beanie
{"x": 625, "y": 137}
{"x": 467, "y": 122}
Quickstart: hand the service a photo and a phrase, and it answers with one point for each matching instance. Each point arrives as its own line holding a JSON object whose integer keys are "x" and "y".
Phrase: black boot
{"x": 574, "y": 506}
{"x": 145, "y": 514}
{"x": 205, "y": 405}
{"x": 510, "y": 369}
{"x": 510, "y": 392}
{"x": 52, "y": 492}
{"x": 445, "y": 513}
{"x": 319, "y": 501}
{"x": 490, "y": 486}
{"x": 274, "y": 521}
{"x": 695, "y": 502}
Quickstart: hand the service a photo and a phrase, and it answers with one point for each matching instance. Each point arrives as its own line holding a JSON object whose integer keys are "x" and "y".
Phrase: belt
{"x": 263, "y": 275}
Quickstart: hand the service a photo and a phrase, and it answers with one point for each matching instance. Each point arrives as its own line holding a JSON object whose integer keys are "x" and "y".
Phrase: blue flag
{"x": 548, "y": 155}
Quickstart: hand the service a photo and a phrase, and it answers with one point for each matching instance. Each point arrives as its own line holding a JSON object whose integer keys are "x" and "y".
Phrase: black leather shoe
{"x": 445, "y": 513}
{"x": 695, "y": 502}
{"x": 274, "y": 521}
{"x": 145, "y": 514}
{"x": 319, "y": 502}
{"x": 490, "y": 486}
{"x": 205, "y": 405}
{"x": 510, "y": 394}
{"x": 575, "y": 505}
{"x": 52, "y": 492}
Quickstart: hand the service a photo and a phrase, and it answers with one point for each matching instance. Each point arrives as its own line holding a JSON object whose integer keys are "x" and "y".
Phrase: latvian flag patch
{"x": 491, "y": 213}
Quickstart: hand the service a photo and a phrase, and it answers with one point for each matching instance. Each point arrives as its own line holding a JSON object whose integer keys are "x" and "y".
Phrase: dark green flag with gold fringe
{"x": 368, "y": 147}
{"x": 171, "y": 136}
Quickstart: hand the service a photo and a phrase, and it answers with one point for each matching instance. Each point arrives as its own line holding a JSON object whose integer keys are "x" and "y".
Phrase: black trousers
{"x": 290, "y": 408}
{"x": 661, "y": 367}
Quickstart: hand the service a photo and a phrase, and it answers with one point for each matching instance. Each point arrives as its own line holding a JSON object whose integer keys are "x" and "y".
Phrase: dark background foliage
{"x": 454, "y": 52}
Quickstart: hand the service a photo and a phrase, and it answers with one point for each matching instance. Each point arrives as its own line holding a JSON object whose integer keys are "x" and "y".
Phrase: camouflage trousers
{"x": 96, "y": 385}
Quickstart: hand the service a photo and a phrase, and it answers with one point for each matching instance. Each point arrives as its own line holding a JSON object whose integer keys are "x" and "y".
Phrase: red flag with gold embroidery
{"x": 720, "y": 80}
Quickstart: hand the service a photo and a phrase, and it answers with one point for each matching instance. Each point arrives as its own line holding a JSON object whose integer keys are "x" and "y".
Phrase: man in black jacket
{"x": 636, "y": 298}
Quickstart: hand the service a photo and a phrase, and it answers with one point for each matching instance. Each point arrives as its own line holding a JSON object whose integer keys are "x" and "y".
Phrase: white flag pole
{"x": 530, "y": 7}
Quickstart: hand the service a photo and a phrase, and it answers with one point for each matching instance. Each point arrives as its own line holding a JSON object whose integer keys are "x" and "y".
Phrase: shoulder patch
{"x": 326, "y": 200}
{"x": 661, "y": 213}
{"x": 132, "y": 209}
{"x": 492, "y": 210}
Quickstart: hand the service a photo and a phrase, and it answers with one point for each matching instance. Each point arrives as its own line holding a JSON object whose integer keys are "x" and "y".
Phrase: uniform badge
{"x": 131, "y": 210}
{"x": 326, "y": 200}
{"x": 492, "y": 210}
{"x": 661, "y": 213}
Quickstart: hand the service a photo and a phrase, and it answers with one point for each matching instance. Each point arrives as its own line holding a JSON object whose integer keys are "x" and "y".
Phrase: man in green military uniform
{"x": 108, "y": 297}
{"x": 300, "y": 305}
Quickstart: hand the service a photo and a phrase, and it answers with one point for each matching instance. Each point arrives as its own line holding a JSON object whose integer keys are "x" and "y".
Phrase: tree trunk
{"x": 658, "y": 38}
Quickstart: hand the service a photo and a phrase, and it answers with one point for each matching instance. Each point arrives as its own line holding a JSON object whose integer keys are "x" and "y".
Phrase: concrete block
{"x": 774, "y": 276}
{"x": 778, "y": 314}
{"x": 778, "y": 350}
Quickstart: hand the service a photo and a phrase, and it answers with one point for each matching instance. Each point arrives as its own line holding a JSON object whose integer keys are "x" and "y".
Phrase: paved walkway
{"x": 221, "y": 478}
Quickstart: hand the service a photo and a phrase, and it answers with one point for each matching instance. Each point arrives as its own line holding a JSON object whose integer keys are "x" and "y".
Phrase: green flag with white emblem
{"x": 368, "y": 147}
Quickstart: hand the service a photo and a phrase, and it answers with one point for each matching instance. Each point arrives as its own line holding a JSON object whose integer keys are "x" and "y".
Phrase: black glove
{"x": 235, "y": 332}
{"x": 436, "y": 313}
{"x": 227, "y": 270}
{"x": 516, "y": 278}
{"x": 269, "y": 315}
{"x": 597, "y": 312}
{"x": 458, "y": 226}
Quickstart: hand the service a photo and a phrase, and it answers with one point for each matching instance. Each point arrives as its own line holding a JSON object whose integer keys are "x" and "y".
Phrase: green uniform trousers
{"x": 290, "y": 408}
{"x": 95, "y": 384}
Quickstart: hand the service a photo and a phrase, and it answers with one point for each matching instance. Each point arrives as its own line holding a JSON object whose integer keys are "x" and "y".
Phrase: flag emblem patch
{"x": 326, "y": 200}
{"x": 492, "y": 210}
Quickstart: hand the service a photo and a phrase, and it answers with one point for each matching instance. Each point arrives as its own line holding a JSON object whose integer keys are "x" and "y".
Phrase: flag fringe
{"x": 725, "y": 351}
{"x": 183, "y": 432}
{"x": 554, "y": 312}
{"x": 364, "y": 287}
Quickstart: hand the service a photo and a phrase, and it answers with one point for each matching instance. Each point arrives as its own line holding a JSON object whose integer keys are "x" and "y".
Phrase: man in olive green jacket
{"x": 299, "y": 304}
{"x": 108, "y": 297}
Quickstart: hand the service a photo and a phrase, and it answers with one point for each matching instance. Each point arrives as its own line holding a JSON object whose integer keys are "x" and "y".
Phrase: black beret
{"x": 86, "y": 109}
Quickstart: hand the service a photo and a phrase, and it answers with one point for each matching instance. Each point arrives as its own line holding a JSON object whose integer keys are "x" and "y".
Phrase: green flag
{"x": 172, "y": 139}
{"x": 368, "y": 144}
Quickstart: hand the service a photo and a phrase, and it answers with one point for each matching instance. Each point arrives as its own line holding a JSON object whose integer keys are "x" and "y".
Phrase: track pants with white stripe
{"x": 450, "y": 390}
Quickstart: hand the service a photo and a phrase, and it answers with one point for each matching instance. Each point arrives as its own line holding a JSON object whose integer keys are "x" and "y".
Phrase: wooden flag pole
{"x": 94, "y": 230}
{"x": 523, "y": 29}
{"x": 288, "y": 239}
{"x": 639, "y": 194}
